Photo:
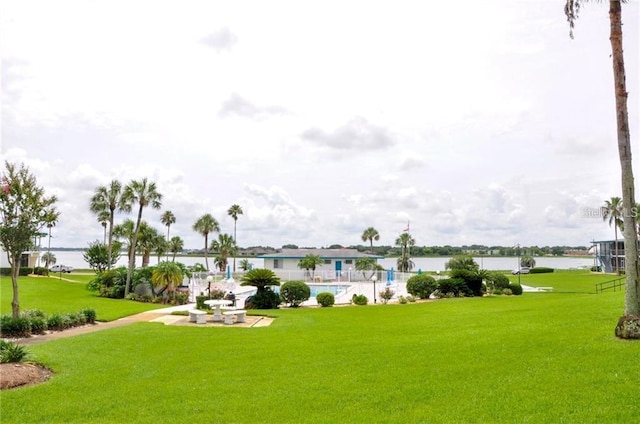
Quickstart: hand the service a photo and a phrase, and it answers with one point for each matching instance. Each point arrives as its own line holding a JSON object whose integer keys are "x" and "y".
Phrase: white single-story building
{"x": 337, "y": 262}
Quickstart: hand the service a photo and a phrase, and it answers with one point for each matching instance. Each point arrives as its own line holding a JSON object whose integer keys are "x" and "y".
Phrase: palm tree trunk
{"x": 235, "y": 241}
{"x": 632, "y": 293}
{"x": 110, "y": 238}
{"x": 615, "y": 249}
{"x": 132, "y": 254}
{"x": 206, "y": 259}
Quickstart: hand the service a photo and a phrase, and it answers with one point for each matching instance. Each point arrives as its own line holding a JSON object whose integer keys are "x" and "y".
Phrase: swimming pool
{"x": 336, "y": 289}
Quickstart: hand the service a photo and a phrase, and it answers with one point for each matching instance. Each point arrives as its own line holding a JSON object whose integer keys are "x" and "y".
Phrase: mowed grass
{"x": 536, "y": 358}
{"x": 566, "y": 281}
{"x": 55, "y": 295}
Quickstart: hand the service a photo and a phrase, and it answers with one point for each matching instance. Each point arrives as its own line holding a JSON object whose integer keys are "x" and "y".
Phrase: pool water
{"x": 336, "y": 289}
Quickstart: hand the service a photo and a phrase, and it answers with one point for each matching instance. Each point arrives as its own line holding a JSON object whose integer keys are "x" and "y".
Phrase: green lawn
{"x": 536, "y": 358}
{"x": 54, "y": 295}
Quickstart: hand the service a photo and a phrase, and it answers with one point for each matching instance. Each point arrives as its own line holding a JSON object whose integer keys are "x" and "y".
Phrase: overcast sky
{"x": 475, "y": 121}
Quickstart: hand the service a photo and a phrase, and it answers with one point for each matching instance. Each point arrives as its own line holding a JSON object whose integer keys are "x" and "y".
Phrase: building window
{"x": 327, "y": 261}
{"x": 348, "y": 261}
{"x": 277, "y": 264}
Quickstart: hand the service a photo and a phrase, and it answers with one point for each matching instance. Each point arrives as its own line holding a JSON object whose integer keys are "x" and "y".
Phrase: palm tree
{"x": 168, "y": 218}
{"x": 143, "y": 193}
{"x": 310, "y": 262}
{"x": 166, "y": 276}
{"x": 147, "y": 242}
{"x": 370, "y": 234}
{"x": 103, "y": 219}
{"x": 176, "y": 244}
{"x": 226, "y": 246}
{"x": 245, "y": 265}
{"x": 205, "y": 225}
{"x": 233, "y": 212}
{"x": 365, "y": 265}
{"x": 50, "y": 219}
{"x": 405, "y": 241}
{"x": 49, "y": 259}
{"x": 109, "y": 198}
{"x": 612, "y": 210}
{"x": 125, "y": 231}
{"x": 632, "y": 262}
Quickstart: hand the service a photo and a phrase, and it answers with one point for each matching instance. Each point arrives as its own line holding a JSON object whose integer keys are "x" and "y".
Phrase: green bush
{"x": 359, "y": 299}
{"x": 386, "y": 295}
{"x": 453, "y": 287}
{"x": 40, "y": 270}
{"x": 515, "y": 288}
{"x": 200, "y": 302}
{"x": 472, "y": 280}
{"x": 411, "y": 299}
{"x": 541, "y": 270}
{"x": 12, "y": 352}
{"x": 597, "y": 268}
{"x": 38, "y": 325}
{"x": 110, "y": 283}
{"x": 55, "y": 322}
{"x": 499, "y": 280}
{"x": 11, "y": 327}
{"x": 421, "y": 285}
{"x": 326, "y": 299}
{"x": 263, "y": 299}
{"x": 294, "y": 293}
{"x": 402, "y": 300}
{"x": 90, "y": 315}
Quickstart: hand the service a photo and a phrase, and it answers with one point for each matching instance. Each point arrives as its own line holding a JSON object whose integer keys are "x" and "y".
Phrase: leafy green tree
{"x": 176, "y": 245}
{"x": 367, "y": 265}
{"x": 143, "y": 193}
{"x": 108, "y": 199}
{"x": 310, "y": 262}
{"x": 405, "y": 242}
{"x": 204, "y": 225}
{"x": 24, "y": 210}
{"x": 98, "y": 257}
{"x": 632, "y": 262}
{"x": 49, "y": 259}
{"x": 462, "y": 262}
{"x": 225, "y": 245}
{"x": 613, "y": 211}
{"x": 234, "y": 211}
{"x": 370, "y": 234}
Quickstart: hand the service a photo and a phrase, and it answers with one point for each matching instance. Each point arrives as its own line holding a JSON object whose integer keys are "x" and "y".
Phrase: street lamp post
{"x": 518, "y": 253}
{"x": 374, "y": 278}
{"x": 209, "y": 281}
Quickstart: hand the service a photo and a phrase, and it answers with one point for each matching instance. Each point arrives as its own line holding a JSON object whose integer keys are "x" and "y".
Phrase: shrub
{"x": 359, "y": 299}
{"x": 507, "y": 292}
{"x": 90, "y": 315}
{"x": 12, "y": 352}
{"x": 38, "y": 325}
{"x": 472, "y": 281}
{"x": 402, "y": 300}
{"x": 11, "y": 327}
{"x": 217, "y": 294}
{"x": 182, "y": 298}
{"x": 411, "y": 299}
{"x": 200, "y": 302}
{"x": 421, "y": 285}
{"x": 263, "y": 299}
{"x": 541, "y": 270}
{"x": 516, "y": 289}
{"x": 295, "y": 292}
{"x": 498, "y": 280}
{"x": 452, "y": 287}
{"x": 325, "y": 299}
{"x": 40, "y": 270}
{"x": 386, "y": 295}
{"x": 110, "y": 283}
{"x": 55, "y": 322}
{"x": 597, "y": 268}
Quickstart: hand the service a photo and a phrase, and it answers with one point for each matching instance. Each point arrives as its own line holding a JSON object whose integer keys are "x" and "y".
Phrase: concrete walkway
{"x": 157, "y": 315}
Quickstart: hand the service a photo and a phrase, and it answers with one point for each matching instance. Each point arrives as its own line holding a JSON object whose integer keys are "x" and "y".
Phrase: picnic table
{"x": 217, "y": 305}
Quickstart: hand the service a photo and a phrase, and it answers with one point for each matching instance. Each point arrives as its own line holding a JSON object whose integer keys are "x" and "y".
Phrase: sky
{"x": 473, "y": 122}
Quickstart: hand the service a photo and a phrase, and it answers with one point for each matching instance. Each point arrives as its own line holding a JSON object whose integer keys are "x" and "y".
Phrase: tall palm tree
{"x": 405, "y": 241}
{"x": 226, "y": 246}
{"x": 168, "y": 218}
{"x": 50, "y": 219}
{"x": 109, "y": 198}
{"x": 370, "y": 234}
{"x": 125, "y": 231}
{"x": 147, "y": 242}
{"x": 632, "y": 262}
{"x": 103, "y": 219}
{"x": 613, "y": 211}
{"x": 144, "y": 193}
{"x": 233, "y": 212}
{"x": 205, "y": 225}
{"x": 176, "y": 244}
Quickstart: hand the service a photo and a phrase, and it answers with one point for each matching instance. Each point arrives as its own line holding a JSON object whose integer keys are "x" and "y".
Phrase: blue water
{"x": 336, "y": 289}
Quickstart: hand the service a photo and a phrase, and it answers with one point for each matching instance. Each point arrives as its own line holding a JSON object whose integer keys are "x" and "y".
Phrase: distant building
{"x": 29, "y": 259}
{"x": 609, "y": 254}
{"x": 336, "y": 261}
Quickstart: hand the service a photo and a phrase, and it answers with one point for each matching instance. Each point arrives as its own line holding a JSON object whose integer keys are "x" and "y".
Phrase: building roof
{"x": 323, "y": 253}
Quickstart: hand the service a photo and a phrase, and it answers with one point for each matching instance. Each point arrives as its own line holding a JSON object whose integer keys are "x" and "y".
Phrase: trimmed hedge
{"x": 541, "y": 270}
{"x": 35, "y": 322}
{"x": 325, "y": 299}
{"x": 421, "y": 285}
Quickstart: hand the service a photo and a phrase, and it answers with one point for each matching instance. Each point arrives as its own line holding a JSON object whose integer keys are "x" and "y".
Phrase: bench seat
{"x": 197, "y": 316}
{"x": 238, "y": 313}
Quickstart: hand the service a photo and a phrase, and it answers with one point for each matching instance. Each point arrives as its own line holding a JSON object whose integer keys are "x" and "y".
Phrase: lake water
{"x": 75, "y": 259}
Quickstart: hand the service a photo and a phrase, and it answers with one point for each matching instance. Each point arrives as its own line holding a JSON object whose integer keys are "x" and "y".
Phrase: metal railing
{"x": 611, "y": 284}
